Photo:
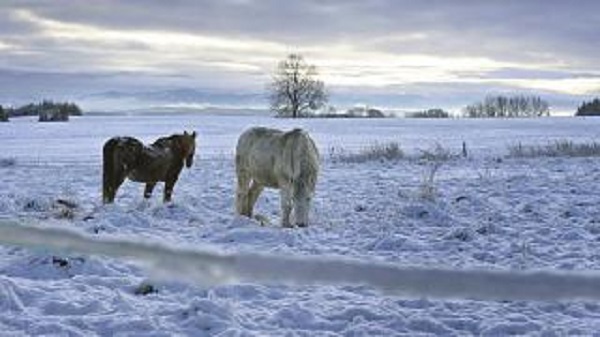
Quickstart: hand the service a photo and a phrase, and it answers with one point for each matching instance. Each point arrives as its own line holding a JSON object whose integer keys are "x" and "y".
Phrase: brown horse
{"x": 161, "y": 161}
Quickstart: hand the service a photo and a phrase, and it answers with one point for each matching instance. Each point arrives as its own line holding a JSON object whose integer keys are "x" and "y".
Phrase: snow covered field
{"x": 488, "y": 212}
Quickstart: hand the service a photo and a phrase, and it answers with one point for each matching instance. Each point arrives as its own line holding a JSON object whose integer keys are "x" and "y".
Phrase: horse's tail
{"x": 120, "y": 155}
{"x": 304, "y": 159}
{"x": 109, "y": 169}
{"x": 303, "y": 166}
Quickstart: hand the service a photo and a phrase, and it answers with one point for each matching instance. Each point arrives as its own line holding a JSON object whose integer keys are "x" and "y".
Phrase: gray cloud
{"x": 529, "y": 40}
{"x": 470, "y": 26}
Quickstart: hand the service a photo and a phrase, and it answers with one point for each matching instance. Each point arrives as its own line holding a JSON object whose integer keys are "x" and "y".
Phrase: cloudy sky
{"x": 403, "y": 54}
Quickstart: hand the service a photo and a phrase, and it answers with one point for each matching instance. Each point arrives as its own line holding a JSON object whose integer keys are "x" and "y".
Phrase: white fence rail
{"x": 210, "y": 267}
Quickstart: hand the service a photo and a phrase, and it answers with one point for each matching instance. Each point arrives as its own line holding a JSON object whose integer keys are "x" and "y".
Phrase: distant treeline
{"x": 3, "y": 115}
{"x": 513, "y": 106}
{"x": 47, "y": 111}
{"x": 431, "y": 113}
{"x": 355, "y": 112}
{"x": 45, "y": 107}
{"x": 591, "y": 108}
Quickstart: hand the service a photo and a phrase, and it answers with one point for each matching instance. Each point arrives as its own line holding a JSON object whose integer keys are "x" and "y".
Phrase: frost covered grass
{"x": 432, "y": 160}
{"x": 373, "y": 152}
{"x": 559, "y": 148}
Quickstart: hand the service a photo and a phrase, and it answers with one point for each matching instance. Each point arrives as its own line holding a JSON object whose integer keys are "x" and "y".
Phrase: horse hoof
{"x": 263, "y": 220}
{"x": 301, "y": 225}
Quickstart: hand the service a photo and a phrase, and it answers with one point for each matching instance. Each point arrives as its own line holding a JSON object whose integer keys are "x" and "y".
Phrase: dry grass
{"x": 374, "y": 152}
{"x": 8, "y": 162}
{"x": 560, "y": 148}
{"x": 432, "y": 160}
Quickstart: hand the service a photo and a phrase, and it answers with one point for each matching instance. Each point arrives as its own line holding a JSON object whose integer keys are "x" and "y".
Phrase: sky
{"x": 391, "y": 54}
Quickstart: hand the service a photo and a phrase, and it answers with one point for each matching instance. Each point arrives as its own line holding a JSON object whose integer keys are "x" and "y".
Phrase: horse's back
{"x": 153, "y": 163}
{"x": 122, "y": 150}
{"x": 256, "y": 135}
{"x": 256, "y": 154}
{"x": 271, "y": 155}
{"x": 122, "y": 142}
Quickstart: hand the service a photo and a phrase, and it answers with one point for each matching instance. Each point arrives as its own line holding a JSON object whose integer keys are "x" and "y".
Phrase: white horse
{"x": 272, "y": 158}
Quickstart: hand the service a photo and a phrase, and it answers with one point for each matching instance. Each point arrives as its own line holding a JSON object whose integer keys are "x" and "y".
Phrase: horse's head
{"x": 187, "y": 146}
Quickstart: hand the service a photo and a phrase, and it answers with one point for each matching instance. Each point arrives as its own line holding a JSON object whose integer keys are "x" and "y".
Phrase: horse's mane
{"x": 293, "y": 133}
{"x": 174, "y": 142}
{"x": 166, "y": 141}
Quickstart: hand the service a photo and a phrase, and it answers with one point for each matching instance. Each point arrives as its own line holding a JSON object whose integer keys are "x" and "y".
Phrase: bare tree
{"x": 296, "y": 89}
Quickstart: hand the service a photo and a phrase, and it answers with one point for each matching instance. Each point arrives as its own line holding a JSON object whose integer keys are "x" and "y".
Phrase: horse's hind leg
{"x": 241, "y": 194}
{"x": 148, "y": 189}
{"x": 286, "y": 206}
{"x": 112, "y": 186}
{"x": 110, "y": 170}
{"x": 108, "y": 190}
{"x": 119, "y": 179}
{"x": 112, "y": 182}
{"x": 107, "y": 186}
{"x": 253, "y": 194}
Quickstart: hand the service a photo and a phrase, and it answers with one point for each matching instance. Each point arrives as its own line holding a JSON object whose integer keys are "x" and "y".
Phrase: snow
{"x": 491, "y": 215}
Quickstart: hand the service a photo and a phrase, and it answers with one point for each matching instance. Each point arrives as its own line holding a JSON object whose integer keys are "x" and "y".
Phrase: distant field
{"x": 81, "y": 139}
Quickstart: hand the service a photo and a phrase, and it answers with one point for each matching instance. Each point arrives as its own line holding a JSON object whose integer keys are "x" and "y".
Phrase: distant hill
{"x": 183, "y": 97}
{"x": 221, "y": 111}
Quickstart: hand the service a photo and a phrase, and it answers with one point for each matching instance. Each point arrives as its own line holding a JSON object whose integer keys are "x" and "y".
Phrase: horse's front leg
{"x": 169, "y": 184}
{"x": 148, "y": 190}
